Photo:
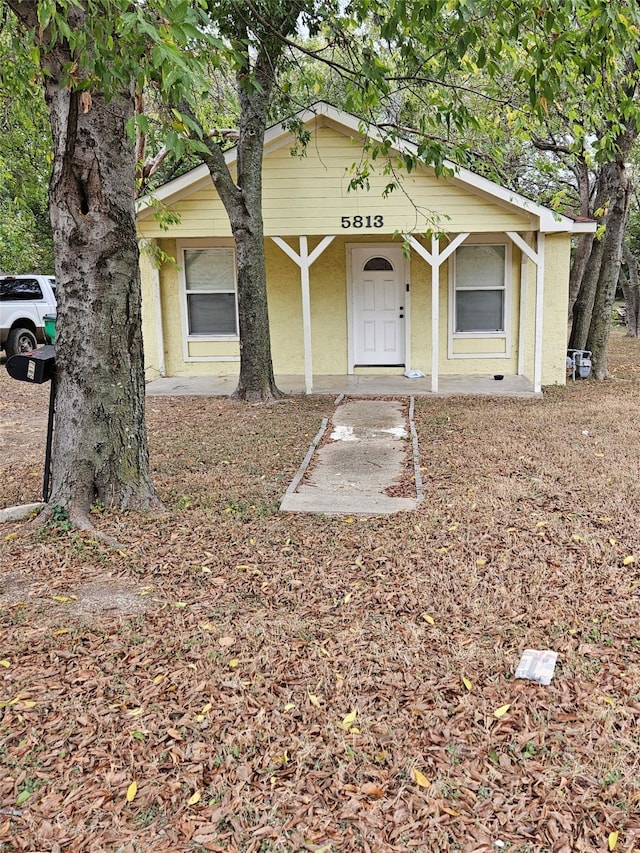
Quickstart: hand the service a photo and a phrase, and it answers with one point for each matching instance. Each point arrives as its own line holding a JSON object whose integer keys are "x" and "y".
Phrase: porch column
{"x": 538, "y": 259}
{"x": 435, "y": 259}
{"x": 147, "y": 256}
{"x": 155, "y": 272}
{"x": 304, "y": 260}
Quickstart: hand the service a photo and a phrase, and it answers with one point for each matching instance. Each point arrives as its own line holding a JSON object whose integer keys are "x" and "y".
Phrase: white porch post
{"x": 306, "y": 314}
{"x": 537, "y": 361}
{"x": 538, "y": 260}
{"x": 304, "y": 260}
{"x": 435, "y": 258}
{"x": 522, "y": 318}
{"x": 157, "y": 298}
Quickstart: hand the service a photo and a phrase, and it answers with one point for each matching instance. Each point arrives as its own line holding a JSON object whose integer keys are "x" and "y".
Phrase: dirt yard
{"x": 235, "y": 679}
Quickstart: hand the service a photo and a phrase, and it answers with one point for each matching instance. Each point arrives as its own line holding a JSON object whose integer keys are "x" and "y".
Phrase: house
{"x": 449, "y": 275}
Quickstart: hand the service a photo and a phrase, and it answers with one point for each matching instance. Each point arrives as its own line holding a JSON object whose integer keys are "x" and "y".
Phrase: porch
{"x": 353, "y": 385}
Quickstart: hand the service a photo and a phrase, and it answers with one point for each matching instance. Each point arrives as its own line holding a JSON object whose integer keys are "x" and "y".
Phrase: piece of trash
{"x": 536, "y": 665}
{"x": 414, "y": 374}
{"x": 585, "y": 432}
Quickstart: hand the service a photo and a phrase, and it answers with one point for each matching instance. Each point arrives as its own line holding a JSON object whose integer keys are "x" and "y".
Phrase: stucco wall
{"x": 554, "y": 344}
{"x": 329, "y": 292}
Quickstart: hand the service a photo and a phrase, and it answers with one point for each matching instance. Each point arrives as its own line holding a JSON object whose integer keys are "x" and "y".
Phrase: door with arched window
{"x": 378, "y": 306}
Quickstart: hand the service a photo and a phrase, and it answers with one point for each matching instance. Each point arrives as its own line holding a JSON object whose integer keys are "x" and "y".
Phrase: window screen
{"x": 210, "y": 280}
{"x": 479, "y": 289}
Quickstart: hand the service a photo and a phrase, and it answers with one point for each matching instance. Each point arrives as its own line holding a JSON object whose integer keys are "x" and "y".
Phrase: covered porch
{"x": 355, "y": 385}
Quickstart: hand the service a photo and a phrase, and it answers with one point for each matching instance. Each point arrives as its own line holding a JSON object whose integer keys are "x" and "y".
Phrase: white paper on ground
{"x": 536, "y": 665}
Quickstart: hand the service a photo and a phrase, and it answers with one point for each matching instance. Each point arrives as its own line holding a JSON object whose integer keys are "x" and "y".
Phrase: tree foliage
{"x": 25, "y": 164}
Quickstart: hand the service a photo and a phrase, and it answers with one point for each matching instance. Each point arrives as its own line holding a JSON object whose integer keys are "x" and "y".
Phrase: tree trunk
{"x": 256, "y": 381}
{"x": 581, "y": 257}
{"x": 592, "y": 309}
{"x": 600, "y": 327}
{"x": 243, "y": 202}
{"x": 100, "y": 446}
{"x": 631, "y": 290}
{"x": 585, "y": 241}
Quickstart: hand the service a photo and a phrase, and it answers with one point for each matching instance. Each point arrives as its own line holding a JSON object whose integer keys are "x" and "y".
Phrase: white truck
{"x": 24, "y": 300}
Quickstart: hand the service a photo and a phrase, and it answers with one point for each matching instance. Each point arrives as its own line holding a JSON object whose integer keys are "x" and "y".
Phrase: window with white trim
{"x": 479, "y": 289}
{"x": 210, "y": 284}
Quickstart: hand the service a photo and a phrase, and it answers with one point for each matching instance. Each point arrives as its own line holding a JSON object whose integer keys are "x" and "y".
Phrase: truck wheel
{"x": 20, "y": 340}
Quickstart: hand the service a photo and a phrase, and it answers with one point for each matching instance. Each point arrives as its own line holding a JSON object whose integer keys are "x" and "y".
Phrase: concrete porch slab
{"x": 352, "y": 385}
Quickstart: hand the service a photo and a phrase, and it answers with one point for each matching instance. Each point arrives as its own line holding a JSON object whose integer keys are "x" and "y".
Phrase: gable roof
{"x": 277, "y": 135}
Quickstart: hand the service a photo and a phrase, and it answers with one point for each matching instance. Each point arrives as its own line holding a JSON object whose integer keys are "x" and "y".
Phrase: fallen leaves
{"x": 370, "y": 723}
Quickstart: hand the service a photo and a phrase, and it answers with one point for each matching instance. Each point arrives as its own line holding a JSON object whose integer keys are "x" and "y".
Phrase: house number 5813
{"x": 362, "y": 221}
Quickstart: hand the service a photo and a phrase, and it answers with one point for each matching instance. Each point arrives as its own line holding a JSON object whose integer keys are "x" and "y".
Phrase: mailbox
{"x": 38, "y": 366}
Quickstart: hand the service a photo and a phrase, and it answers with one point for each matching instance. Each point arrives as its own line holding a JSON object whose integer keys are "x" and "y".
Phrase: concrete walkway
{"x": 366, "y": 453}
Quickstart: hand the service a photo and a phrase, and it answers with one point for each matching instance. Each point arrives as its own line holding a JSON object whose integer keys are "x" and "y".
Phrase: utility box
{"x": 579, "y": 363}
{"x": 37, "y": 366}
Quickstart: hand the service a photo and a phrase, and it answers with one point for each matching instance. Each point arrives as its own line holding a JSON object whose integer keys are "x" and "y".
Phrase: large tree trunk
{"x": 256, "y": 381}
{"x": 100, "y": 447}
{"x": 242, "y": 199}
{"x": 592, "y": 309}
{"x": 600, "y": 327}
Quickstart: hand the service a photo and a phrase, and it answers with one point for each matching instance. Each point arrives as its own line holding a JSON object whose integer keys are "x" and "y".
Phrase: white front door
{"x": 378, "y": 306}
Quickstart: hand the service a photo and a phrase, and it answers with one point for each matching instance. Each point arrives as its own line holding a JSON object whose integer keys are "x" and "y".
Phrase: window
{"x": 22, "y": 289}
{"x": 378, "y": 265}
{"x": 210, "y": 282}
{"x": 479, "y": 287}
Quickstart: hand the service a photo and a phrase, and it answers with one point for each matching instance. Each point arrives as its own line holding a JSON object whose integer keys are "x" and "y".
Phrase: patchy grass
{"x": 228, "y": 694}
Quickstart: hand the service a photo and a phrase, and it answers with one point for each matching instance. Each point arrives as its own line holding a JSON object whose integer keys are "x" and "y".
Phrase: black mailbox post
{"x": 38, "y": 367}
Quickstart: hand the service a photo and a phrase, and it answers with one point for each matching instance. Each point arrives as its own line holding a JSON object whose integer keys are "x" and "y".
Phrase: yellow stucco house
{"x": 447, "y": 276}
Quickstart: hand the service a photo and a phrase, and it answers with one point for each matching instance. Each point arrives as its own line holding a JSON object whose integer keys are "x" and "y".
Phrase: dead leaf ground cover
{"x": 279, "y": 687}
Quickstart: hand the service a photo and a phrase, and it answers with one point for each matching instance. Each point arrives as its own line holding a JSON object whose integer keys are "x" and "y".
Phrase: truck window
{"x": 23, "y": 289}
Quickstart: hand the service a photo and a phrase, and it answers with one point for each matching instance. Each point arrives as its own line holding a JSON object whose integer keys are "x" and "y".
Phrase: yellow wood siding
{"x": 310, "y": 195}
